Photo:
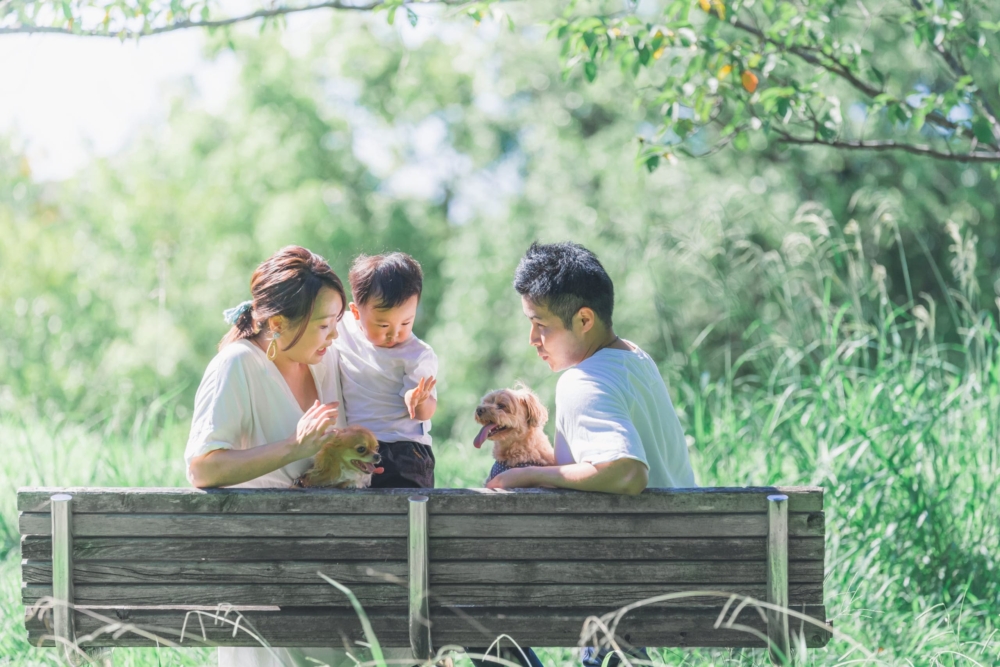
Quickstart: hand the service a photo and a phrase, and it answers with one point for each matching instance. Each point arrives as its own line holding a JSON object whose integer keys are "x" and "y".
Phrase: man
{"x": 616, "y": 427}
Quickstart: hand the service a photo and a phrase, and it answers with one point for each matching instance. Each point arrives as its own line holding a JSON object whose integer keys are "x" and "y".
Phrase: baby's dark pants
{"x": 407, "y": 465}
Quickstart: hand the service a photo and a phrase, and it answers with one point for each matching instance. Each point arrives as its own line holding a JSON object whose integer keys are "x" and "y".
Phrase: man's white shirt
{"x": 615, "y": 405}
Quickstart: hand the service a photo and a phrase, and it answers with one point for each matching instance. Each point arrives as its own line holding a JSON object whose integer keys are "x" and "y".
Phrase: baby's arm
{"x": 419, "y": 386}
{"x": 420, "y": 402}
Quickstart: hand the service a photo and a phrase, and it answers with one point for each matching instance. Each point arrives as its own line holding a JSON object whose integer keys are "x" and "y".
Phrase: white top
{"x": 243, "y": 401}
{"x": 615, "y": 405}
{"x": 375, "y": 379}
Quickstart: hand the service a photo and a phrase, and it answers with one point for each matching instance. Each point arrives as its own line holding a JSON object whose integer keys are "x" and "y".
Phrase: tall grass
{"x": 841, "y": 388}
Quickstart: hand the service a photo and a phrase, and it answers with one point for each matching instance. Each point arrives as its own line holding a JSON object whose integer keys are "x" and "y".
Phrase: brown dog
{"x": 513, "y": 420}
{"x": 346, "y": 461}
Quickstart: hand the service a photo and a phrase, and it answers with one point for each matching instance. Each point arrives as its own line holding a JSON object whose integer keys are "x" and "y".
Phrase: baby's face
{"x": 387, "y": 327}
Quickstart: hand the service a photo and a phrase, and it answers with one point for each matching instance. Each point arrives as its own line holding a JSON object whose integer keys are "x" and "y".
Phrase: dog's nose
{"x": 376, "y": 458}
{"x": 480, "y": 411}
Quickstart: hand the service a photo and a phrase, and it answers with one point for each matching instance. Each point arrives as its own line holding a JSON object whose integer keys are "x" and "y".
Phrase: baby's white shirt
{"x": 615, "y": 405}
{"x": 243, "y": 401}
{"x": 375, "y": 380}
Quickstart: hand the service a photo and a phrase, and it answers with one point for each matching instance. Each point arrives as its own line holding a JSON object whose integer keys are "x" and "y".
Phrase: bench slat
{"x": 39, "y": 547}
{"x": 457, "y": 525}
{"x": 441, "y": 572}
{"x": 551, "y": 627}
{"x": 374, "y": 595}
{"x": 393, "y": 501}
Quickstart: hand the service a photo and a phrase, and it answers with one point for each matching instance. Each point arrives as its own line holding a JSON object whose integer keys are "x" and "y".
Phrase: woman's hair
{"x": 285, "y": 284}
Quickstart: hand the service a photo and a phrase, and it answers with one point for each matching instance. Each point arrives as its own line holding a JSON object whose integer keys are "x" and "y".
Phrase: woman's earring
{"x": 272, "y": 348}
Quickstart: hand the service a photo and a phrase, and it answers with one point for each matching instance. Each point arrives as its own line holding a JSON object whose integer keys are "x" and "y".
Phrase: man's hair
{"x": 386, "y": 281}
{"x": 565, "y": 277}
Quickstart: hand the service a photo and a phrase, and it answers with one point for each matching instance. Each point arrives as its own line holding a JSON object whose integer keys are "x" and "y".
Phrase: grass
{"x": 844, "y": 390}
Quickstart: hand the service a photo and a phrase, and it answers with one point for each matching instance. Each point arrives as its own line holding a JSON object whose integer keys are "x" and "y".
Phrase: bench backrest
{"x": 532, "y": 563}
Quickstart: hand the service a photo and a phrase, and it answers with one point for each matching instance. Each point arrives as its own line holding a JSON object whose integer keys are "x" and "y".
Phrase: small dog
{"x": 346, "y": 461}
{"x": 513, "y": 420}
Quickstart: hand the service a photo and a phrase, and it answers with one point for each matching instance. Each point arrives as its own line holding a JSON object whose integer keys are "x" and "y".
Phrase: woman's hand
{"x": 312, "y": 429}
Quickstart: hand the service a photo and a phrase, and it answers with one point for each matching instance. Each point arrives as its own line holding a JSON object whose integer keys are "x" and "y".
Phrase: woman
{"x": 268, "y": 400}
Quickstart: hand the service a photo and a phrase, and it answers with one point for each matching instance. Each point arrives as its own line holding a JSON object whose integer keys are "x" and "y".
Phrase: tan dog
{"x": 513, "y": 420}
{"x": 346, "y": 461}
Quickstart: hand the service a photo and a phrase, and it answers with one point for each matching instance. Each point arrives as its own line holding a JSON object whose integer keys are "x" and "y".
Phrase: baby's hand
{"x": 418, "y": 395}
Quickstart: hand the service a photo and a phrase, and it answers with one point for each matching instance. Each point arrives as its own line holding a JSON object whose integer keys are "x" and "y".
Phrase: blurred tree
{"x": 916, "y": 76}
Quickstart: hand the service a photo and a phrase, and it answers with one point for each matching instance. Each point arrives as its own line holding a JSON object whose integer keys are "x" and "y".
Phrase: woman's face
{"x": 320, "y": 331}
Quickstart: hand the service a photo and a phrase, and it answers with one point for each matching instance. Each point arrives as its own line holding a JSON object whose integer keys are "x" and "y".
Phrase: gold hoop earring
{"x": 272, "y": 348}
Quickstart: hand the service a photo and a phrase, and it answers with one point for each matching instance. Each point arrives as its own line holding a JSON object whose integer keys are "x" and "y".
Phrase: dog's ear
{"x": 537, "y": 414}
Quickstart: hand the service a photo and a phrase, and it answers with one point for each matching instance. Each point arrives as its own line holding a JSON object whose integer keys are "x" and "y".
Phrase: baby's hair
{"x": 286, "y": 284}
{"x": 385, "y": 281}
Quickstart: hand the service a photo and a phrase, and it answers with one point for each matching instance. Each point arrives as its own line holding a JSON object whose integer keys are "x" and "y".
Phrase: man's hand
{"x": 516, "y": 478}
{"x": 626, "y": 476}
{"x": 418, "y": 396}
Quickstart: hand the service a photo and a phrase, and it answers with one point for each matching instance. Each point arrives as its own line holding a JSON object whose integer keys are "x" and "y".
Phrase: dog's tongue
{"x": 483, "y": 434}
{"x": 379, "y": 470}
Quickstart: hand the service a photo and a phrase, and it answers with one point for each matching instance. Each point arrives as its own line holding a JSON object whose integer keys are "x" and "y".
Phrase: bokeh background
{"x": 820, "y": 317}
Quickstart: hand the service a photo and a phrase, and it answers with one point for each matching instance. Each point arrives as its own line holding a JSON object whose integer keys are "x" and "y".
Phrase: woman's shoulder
{"x": 240, "y": 356}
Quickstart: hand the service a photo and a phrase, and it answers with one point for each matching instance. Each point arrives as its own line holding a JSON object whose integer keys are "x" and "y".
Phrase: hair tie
{"x": 233, "y": 314}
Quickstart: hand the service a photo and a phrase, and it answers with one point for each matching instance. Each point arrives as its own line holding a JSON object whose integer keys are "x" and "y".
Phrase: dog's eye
{"x": 360, "y": 449}
{"x": 502, "y": 406}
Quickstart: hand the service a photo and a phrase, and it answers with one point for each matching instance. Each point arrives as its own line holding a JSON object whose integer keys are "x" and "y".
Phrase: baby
{"x": 388, "y": 374}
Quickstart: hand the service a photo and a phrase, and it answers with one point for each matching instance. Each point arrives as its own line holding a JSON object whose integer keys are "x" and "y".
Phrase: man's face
{"x": 387, "y": 327}
{"x": 559, "y": 347}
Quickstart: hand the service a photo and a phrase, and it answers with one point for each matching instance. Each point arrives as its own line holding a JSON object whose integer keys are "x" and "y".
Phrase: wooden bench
{"x": 107, "y": 567}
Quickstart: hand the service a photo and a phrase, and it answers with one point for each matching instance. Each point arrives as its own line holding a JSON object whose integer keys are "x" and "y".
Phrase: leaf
{"x": 706, "y": 5}
{"x": 412, "y": 15}
{"x": 391, "y": 17}
{"x": 724, "y": 72}
{"x": 983, "y": 130}
{"x": 590, "y": 70}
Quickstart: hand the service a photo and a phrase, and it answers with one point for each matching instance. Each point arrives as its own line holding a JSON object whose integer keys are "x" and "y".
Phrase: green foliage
{"x": 711, "y": 72}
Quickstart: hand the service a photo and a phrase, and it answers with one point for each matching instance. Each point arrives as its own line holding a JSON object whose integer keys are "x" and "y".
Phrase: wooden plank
{"x": 550, "y": 627}
{"x": 373, "y": 595}
{"x": 441, "y": 572}
{"x": 184, "y": 573}
{"x": 152, "y": 595}
{"x": 620, "y": 526}
{"x": 38, "y": 547}
{"x": 393, "y": 501}
{"x": 222, "y": 525}
{"x": 455, "y": 525}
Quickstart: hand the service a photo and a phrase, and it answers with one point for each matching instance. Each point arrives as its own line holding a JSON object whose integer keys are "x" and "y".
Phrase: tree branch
{"x": 960, "y": 71}
{"x": 916, "y": 149}
{"x": 217, "y": 23}
{"x": 842, "y": 70}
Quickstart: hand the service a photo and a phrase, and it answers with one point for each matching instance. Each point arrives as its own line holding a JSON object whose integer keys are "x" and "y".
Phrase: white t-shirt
{"x": 615, "y": 405}
{"x": 243, "y": 401}
{"x": 375, "y": 379}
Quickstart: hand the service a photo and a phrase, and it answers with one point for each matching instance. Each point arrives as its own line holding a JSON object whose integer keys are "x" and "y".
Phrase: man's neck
{"x": 606, "y": 339}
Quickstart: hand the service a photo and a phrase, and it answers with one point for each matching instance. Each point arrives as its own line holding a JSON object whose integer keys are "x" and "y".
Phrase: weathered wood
{"x": 703, "y": 574}
{"x": 223, "y": 525}
{"x": 456, "y": 525}
{"x": 550, "y": 627}
{"x": 183, "y": 574}
{"x": 39, "y": 547}
{"x": 393, "y": 501}
{"x": 374, "y": 595}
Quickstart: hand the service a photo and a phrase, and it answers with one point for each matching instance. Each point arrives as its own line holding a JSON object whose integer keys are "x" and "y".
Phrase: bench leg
{"x": 777, "y": 579}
